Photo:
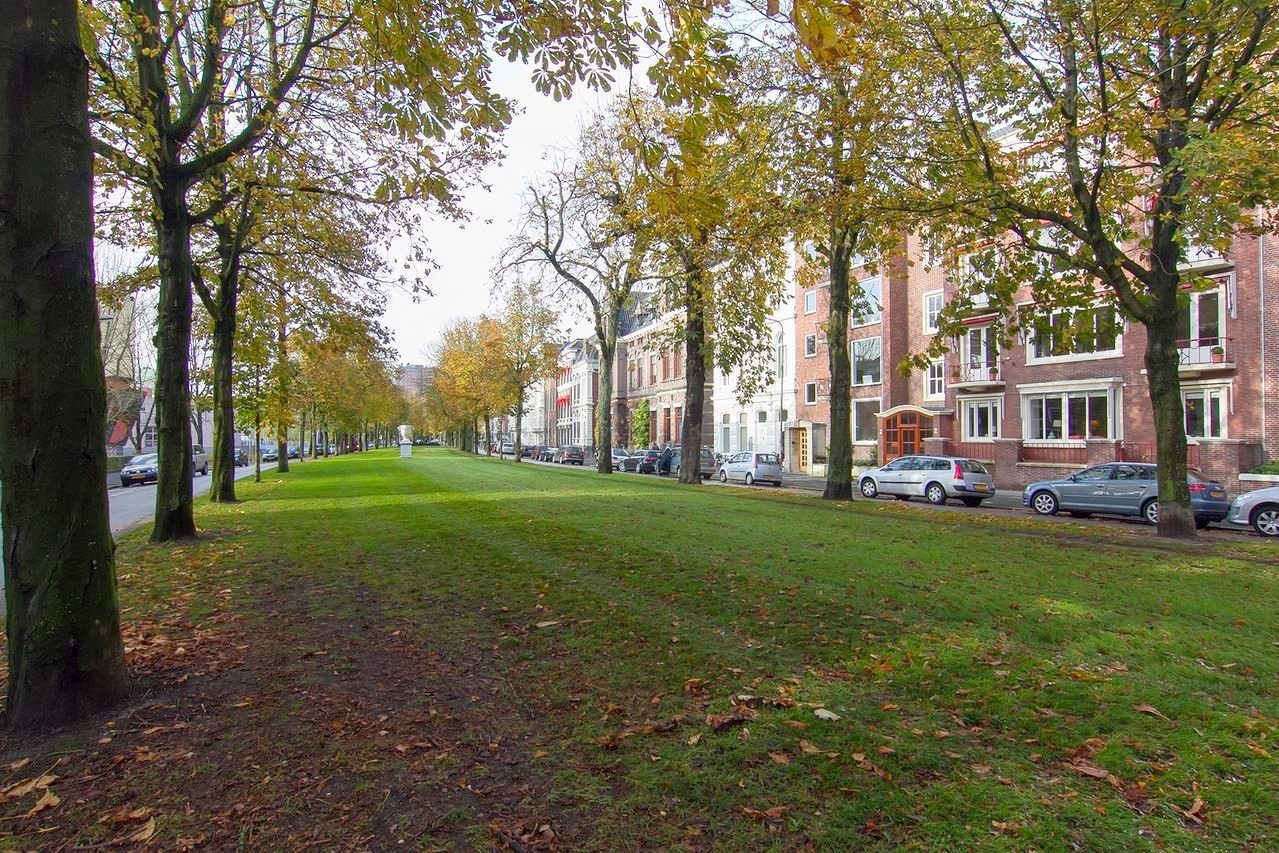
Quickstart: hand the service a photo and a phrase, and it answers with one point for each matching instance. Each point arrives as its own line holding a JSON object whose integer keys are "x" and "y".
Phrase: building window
{"x": 935, "y": 380}
{"x": 868, "y": 307}
{"x": 979, "y": 355}
{"x": 932, "y": 311}
{"x": 763, "y": 417}
{"x": 1069, "y": 415}
{"x": 865, "y": 424}
{"x": 980, "y": 419}
{"x": 810, "y": 346}
{"x": 1205, "y": 412}
{"x": 866, "y": 356}
{"x": 726, "y": 434}
{"x": 148, "y": 438}
{"x": 1072, "y": 334}
{"x": 781, "y": 358}
{"x": 810, "y": 302}
{"x": 978, "y": 274}
{"x": 810, "y": 393}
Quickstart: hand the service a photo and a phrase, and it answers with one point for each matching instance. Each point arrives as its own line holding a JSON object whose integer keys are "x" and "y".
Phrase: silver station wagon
{"x": 751, "y": 467}
{"x": 934, "y": 478}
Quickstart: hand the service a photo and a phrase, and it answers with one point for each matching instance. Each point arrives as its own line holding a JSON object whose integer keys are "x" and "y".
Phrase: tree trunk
{"x": 604, "y": 405}
{"x": 839, "y": 459}
{"x": 1175, "y": 516}
{"x": 257, "y": 426}
{"x": 488, "y": 435}
{"x": 174, "y": 510}
{"x": 282, "y": 385}
{"x": 66, "y": 658}
{"x": 222, "y": 489}
{"x": 695, "y": 375}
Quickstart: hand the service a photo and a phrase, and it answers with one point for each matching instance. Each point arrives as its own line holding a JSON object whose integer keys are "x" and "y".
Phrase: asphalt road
{"x": 136, "y": 504}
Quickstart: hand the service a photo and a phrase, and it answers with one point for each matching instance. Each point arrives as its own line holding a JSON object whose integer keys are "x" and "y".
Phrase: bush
{"x": 1271, "y": 467}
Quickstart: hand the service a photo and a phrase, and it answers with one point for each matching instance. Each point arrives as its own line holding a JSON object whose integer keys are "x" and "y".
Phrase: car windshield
{"x": 972, "y": 466}
{"x": 766, "y": 459}
{"x": 144, "y": 459}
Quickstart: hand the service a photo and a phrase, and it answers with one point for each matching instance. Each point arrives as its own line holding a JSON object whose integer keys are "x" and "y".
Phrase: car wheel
{"x": 1150, "y": 512}
{"x": 868, "y": 488}
{"x": 750, "y": 480}
{"x": 1044, "y": 503}
{"x": 971, "y": 501}
{"x": 204, "y": 472}
{"x": 935, "y": 494}
{"x": 1201, "y": 523}
{"x": 1265, "y": 520}
{"x": 723, "y": 476}
{"x": 124, "y": 485}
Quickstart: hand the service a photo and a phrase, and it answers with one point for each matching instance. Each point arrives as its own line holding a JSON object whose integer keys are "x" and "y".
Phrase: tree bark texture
{"x": 839, "y": 458}
{"x": 604, "y": 405}
{"x": 1162, "y": 359}
{"x": 690, "y": 441}
{"x": 66, "y": 658}
{"x": 174, "y": 502}
{"x": 222, "y": 489}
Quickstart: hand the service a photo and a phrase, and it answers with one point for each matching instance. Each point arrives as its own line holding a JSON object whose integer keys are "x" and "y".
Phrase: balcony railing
{"x": 1197, "y": 351}
{"x": 979, "y": 371}
{"x": 1131, "y": 451}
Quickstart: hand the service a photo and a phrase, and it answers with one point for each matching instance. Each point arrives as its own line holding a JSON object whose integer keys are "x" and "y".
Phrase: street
{"x": 136, "y": 504}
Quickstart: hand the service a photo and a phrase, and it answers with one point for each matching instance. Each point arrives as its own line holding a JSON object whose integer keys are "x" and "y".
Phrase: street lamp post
{"x": 780, "y": 390}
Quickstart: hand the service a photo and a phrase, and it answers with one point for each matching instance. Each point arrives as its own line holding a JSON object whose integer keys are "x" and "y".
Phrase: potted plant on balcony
{"x": 1218, "y": 354}
{"x": 993, "y": 373}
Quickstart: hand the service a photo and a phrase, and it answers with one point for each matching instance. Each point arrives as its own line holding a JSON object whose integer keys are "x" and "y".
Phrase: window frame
{"x": 939, "y": 379}
{"x": 810, "y": 351}
{"x": 1220, "y": 391}
{"x": 856, "y": 420}
{"x": 1117, "y": 351}
{"x": 1114, "y": 407}
{"x": 852, "y": 361}
{"x": 810, "y": 393}
{"x": 931, "y": 327}
{"x": 858, "y": 323}
{"x": 810, "y": 295}
{"x": 996, "y": 417}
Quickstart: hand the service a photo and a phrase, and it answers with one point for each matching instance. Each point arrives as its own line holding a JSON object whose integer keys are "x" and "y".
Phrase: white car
{"x": 751, "y": 468}
{"x": 934, "y": 478}
{"x": 1259, "y": 509}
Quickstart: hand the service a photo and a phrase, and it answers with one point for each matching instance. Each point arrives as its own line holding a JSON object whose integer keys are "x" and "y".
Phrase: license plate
{"x": 1217, "y": 493}
{"x": 981, "y": 487}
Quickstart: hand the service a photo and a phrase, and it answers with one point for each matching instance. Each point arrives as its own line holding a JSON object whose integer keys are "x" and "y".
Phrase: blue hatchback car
{"x": 1123, "y": 488}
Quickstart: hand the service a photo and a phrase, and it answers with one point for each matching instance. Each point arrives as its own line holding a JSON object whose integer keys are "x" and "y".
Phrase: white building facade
{"x": 759, "y": 422}
{"x": 576, "y": 392}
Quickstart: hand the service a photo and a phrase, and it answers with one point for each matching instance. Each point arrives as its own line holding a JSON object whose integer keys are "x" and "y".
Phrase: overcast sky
{"x": 465, "y": 251}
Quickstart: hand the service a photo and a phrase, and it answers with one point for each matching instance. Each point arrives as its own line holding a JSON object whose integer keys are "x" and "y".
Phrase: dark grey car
{"x": 1123, "y": 488}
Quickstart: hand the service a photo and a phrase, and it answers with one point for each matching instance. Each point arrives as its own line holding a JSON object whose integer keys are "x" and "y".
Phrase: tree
{"x": 66, "y": 657}
{"x": 1096, "y": 144}
{"x": 586, "y": 220}
{"x": 837, "y": 114}
{"x": 527, "y": 349}
{"x": 640, "y": 425}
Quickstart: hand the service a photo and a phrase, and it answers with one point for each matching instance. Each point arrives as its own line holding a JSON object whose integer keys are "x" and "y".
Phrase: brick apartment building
{"x": 577, "y": 388}
{"x": 1043, "y": 407}
{"x": 650, "y": 366}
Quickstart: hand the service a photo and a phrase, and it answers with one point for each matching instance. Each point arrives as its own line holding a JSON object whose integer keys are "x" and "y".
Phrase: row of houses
{"x": 1043, "y": 405}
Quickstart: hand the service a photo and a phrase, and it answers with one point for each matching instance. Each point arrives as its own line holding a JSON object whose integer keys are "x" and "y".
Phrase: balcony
{"x": 1204, "y": 356}
{"x": 977, "y": 376}
{"x": 1203, "y": 257}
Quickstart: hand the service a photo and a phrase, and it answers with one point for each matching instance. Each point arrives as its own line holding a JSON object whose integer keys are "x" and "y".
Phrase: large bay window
{"x": 1205, "y": 411}
{"x": 1070, "y": 415}
{"x": 866, "y": 355}
{"x": 1077, "y": 334}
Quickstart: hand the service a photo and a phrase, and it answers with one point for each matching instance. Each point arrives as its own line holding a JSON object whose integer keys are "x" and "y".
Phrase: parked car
{"x": 199, "y": 459}
{"x": 140, "y": 469}
{"x": 647, "y": 461}
{"x": 934, "y": 478}
{"x": 270, "y": 456}
{"x": 546, "y": 453}
{"x": 241, "y": 458}
{"x": 570, "y": 455}
{"x": 707, "y": 466}
{"x": 294, "y": 453}
{"x": 619, "y": 458}
{"x": 528, "y": 451}
{"x": 1123, "y": 488}
{"x": 1259, "y": 509}
{"x": 432, "y": 442}
{"x": 507, "y": 448}
{"x": 751, "y": 467}
{"x": 631, "y": 463}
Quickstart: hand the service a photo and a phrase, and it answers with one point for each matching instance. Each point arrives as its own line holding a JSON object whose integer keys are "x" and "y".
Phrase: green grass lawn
{"x": 471, "y": 650}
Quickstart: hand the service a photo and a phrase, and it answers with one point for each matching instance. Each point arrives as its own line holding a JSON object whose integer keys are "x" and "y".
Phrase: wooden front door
{"x": 902, "y": 434}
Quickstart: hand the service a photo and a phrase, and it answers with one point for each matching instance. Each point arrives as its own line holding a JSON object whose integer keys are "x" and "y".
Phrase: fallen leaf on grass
{"x": 145, "y": 833}
{"x": 694, "y": 739}
{"x": 124, "y": 814}
{"x": 695, "y": 685}
{"x": 779, "y": 757}
{"x": 547, "y": 624}
{"x": 18, "y": 765}
{"x": 885, "y": 750}
{"x": 808, "y": 748}
{"x": 48, "y": 801}
{"x": 1005, "y": 827}
{"x": 20, "y": 789}
{"x": 719, "y": 722}
{"x": 1194, "y": 812}
{"x": 771, "y": 817}
{"x": 823, "y": 714}
{"x": 1151, "y": 710}
{"x": 795, "y": 724}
